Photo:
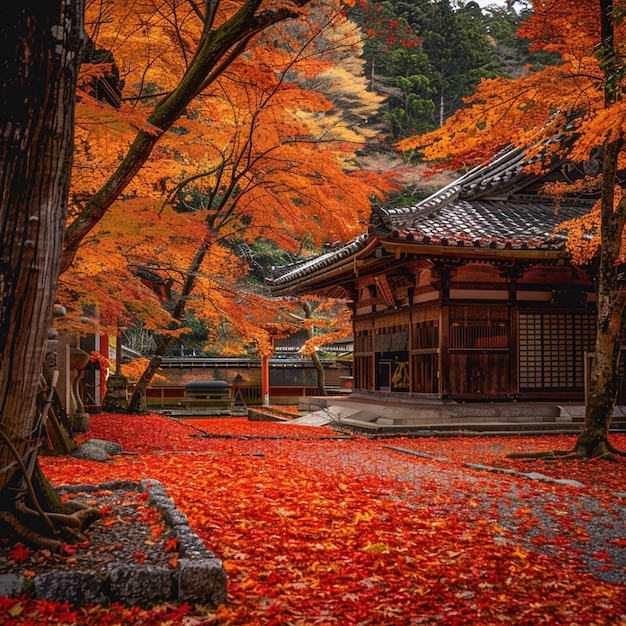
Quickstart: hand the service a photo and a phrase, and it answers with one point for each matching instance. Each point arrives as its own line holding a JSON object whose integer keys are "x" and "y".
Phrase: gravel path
{"x": 562, "y": 518}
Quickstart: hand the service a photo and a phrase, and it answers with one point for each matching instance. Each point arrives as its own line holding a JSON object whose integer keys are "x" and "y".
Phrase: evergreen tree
{"x": 426, "y": 57}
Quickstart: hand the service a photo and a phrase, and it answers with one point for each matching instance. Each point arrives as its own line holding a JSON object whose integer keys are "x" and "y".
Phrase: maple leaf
{"x": 139, "y": 556}
{"x": 325, "y": 571}
{"x": 171, "y": 545}
{"x": 20, "y": 553}
{"x": 288, "y": 171}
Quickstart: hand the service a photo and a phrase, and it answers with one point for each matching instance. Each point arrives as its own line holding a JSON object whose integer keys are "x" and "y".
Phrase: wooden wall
{"x": 476, "y": 331}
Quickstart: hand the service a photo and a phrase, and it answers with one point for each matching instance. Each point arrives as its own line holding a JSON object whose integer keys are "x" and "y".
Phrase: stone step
{"x": 432, "y": 410}
{"x": 413, "y": 415}
{"x": 476, "y": 427}
{"x": 460, "y": 419}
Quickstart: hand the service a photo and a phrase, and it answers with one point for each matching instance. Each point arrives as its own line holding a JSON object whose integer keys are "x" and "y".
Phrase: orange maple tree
{"x": 244, "y": 161}
{"x": 155, "y": 75}
{"x": 242, "y": 122}
{"x": 579, "y": 101}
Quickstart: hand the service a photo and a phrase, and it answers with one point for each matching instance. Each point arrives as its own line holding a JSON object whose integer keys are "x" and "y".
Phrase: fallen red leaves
{"x": 493, "y": 451}
{"x": 317, "y": 531}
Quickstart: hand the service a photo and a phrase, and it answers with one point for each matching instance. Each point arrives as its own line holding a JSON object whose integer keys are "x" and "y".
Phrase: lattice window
{"x": 479, "y": 336}
{"x": 552, "y": 348}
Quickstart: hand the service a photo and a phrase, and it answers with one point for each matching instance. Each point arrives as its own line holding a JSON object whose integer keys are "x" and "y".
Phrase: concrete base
{"x": 387, "y": 417}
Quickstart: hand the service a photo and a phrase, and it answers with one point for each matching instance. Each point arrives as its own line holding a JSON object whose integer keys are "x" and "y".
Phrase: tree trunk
{"x": 602, "y": 391}
{"x": 321, "y": 375}
{"x": 39, "y": 57}
{"x": 137, "y": 404}
{"x": 319, "y": 368}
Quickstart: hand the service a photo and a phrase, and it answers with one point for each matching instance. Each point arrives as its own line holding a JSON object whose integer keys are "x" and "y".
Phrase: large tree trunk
{"x": 39, "y": 57}
{"x": 602, "y": 391}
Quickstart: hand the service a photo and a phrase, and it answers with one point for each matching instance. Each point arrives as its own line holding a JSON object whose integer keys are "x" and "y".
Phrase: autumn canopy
{"x": 263, "y": 153}
{"x": 198, "y": 130}
{"x": 573, "y": 106}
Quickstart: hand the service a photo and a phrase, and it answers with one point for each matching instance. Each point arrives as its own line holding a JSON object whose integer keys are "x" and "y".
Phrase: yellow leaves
{"x": 135, "y": 368}
{"x": 376, "y": 548}
{"x": 363, "y": 516}
{"x": 519, "y": 553}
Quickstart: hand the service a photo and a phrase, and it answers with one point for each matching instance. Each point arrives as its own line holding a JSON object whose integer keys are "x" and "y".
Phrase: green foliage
{"x": 426, "y": 57}
{"x": 195, "y": 339}
{"x": 513, "y": 51}
{"x": 261, "y": 256}
{"x": 407, "y": 197}
{"x": 458, "y": 47}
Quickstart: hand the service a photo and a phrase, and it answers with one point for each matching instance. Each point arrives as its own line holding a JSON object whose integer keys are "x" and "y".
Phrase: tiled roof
{"x": 485, "y": 208}
{"x": 521, "y": 222}
{"x": 293, "y": 272}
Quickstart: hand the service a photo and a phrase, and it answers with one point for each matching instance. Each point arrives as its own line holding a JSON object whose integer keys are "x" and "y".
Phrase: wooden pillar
{"x": 265, "y": 380}
{"x": 444, "y": 357}
{"x": 443, "y": 272}
{"x": 513, "y": 339}
{"x": 409, "y": 350}
{"x": 512, "y": 276}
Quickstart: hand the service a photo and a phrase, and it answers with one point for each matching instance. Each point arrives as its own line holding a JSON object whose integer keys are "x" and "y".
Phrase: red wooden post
{"x": 265, "y": 374}
{"x": 265, "y": 379}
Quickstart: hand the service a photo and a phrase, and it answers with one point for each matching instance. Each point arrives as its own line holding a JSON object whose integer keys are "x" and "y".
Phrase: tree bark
{"x": 321, "y": 375}
{"x": 602, "y": 391}
{"x": 319, "y": 368}
{"x": 39, "y": 61}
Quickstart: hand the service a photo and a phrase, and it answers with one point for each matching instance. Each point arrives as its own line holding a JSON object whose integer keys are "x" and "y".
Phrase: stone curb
{"x": 199, "y": 576}
{"x": 494, "y": 470}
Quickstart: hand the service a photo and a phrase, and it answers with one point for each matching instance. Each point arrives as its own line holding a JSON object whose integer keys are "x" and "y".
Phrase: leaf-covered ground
{"x": 318, "y": 530}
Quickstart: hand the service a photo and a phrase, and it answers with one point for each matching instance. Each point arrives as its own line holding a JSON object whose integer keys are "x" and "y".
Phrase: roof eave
{"x": 398, "y": 248}
{"x": 352, "y": 263}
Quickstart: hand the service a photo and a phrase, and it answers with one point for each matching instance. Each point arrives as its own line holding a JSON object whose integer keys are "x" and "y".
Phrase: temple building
{"x": 469, "y": 295}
